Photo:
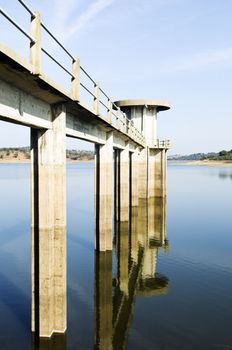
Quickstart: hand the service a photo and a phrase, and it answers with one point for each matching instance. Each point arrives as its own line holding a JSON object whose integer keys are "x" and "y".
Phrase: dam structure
{"x": 130, "y": 161}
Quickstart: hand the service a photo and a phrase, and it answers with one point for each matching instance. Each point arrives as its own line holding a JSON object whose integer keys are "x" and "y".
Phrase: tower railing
{"x": 162, "y": 144}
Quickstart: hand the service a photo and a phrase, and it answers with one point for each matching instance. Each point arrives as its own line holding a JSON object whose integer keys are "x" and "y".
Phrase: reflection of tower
{"x": 123, "y": 253}
{"x": 136, "y": 245}
{"x": 152, "y": 283}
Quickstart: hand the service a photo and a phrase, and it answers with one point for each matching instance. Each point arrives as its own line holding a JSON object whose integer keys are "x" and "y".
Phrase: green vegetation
{"x": 194, "y": 156}
{"x": 79, "y": 155}
{"x": 23, "y": 153}
{"x": 222, "y": 155}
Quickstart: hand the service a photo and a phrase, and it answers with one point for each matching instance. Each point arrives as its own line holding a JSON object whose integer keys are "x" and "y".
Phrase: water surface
{"x": 159, "y": 293}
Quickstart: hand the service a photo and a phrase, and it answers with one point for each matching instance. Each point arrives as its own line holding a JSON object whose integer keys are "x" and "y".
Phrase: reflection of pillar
{"x": 157, "y": 219}
{"x": 104, "y": 194}
{"x": 48, "y": 153}
{"x": 160, "y": 219}
{"x": 123, "y": 256}
{"x": 151, "y": 218}
{"x": 149, "y": 262}
{"x": 156, "y": 234}
{"x": 56, "y": 342}
{"x": 142, "y": 222}
{"x": 134, "y": 234}
{"x": 124, "y": 184}
{"x": 103, "y": 301}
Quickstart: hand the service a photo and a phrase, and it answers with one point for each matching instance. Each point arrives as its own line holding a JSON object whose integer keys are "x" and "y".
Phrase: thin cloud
{"x": 65, "y": 9}
{"x": 197, "y": 61}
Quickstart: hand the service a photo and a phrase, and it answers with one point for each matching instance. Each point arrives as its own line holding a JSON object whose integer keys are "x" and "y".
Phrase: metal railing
{"x": 162, "y": 144}
{"x": 112, "y": 114}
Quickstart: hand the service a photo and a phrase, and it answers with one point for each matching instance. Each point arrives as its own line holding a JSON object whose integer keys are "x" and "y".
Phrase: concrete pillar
{"x": 124, "y": 184}
{"x": 135, "y": 179}
{"x": 151, "y": 172}
{"x": 103, "y": 303}
{"x": 164, "y": 171}
{"x": 142, "y": 174}
{"x": 48, "y": 153}
{"x": 117, "y": 184}
{"x": 104, "y": 194}
{"x": 160, "y": 172}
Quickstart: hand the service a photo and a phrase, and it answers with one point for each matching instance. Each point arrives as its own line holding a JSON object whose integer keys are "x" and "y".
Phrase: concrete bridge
{"x": 137, "y": 246}
{"x": 130, "y": 162}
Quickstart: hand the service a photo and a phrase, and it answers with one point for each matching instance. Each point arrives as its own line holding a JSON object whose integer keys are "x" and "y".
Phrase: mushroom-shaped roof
{"x": 158, "y": 104}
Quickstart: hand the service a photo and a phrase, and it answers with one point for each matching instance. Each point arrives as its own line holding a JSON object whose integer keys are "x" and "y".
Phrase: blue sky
{"x": 177, "y": 50}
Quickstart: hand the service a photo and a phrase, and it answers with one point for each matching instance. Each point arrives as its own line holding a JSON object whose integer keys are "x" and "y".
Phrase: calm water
{"x": 160, "y": 294}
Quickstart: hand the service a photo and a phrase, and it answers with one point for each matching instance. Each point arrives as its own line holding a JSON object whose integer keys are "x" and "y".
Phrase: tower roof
{"x": 159, "y": 104}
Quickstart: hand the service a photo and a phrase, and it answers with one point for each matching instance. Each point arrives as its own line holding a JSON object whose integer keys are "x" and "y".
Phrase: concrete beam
{"x": 22, "y": 108}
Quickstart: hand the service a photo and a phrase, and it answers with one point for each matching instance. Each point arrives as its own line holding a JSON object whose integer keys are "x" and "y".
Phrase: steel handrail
{"x": 122, "y": 121}
{"x": 17, "y": 26}
{"x": 57, "y": 62}
{"x": 27, "y": 8}
{"x": 57, "y": 41}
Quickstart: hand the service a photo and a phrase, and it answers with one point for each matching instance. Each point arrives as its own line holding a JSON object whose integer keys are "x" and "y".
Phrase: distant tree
{"x": 222, "y": 153}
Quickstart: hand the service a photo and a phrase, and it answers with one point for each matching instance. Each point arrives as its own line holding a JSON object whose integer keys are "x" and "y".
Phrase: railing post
{"x": 96, "y": 98}
{"x": 118, "y": 118}
{"x": 75, "y": 82}
{"x": 35, "y": 47}
{"x": 109, "y": 111}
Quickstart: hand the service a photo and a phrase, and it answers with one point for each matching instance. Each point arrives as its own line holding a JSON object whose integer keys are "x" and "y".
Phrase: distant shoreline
{"x": 28, "y": 161}
{"x": 22, "y": 155}
{"x": 206, "y": 162}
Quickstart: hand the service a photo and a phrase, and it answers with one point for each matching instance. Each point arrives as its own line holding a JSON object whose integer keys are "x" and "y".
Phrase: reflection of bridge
{"x": 124, "y": 128}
